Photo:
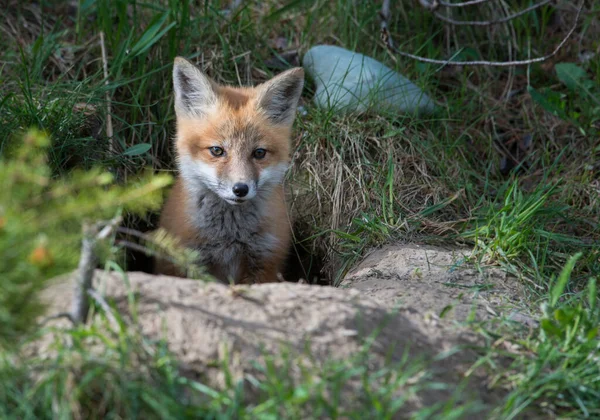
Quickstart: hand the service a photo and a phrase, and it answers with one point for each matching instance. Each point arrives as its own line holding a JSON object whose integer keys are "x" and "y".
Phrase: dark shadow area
{"x": 136, "y": 259}
{"x": 304, "y": 261}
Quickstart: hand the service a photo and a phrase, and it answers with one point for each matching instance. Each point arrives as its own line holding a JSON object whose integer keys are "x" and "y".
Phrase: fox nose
{"x": 240, "y": 190}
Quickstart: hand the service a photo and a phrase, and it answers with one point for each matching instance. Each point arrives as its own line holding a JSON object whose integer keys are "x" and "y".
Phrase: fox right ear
{"x": 279, "y": 97}
{"x": 195, "y": 93}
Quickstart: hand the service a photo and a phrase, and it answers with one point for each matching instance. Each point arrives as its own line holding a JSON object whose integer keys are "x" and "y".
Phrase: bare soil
{"x": 399, "y": 292}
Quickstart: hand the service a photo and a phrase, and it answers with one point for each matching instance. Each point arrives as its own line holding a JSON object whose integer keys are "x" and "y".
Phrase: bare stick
{"x": 431, "y": 6}
{"x": 133, "y": 232}
{"x": 87, "y": 263}
{"x": 384, "y": 17}
{"x": 109, "y": 126}
{"x": 464, "y": 4}
{"x": 385, "y": 37}
{"x": 142, "y": 249}
{"x": 105, "y": 307}
{"x": 490, "y": 22}
{"x": 85, "y": 274}
{"x": 109, "y": 228}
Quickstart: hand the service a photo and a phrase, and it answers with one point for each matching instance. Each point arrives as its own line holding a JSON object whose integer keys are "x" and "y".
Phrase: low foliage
{"x": 40, "y": 223}
{"x": 554, "y": 367}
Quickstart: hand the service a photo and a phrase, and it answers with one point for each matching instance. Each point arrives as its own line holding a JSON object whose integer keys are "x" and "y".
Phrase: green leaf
{"x": 394, "y": 133}
{"x": 151, "y": 35}
{"x": 591, "y": 334}
{"x": 137, "y": 149}
{"x": 86, "y": 5}
{"x": 301, "y": 394}
{"x": 546, "y": 103}
{"x": 446, "y": 310}
{"x": 347, "y": 236}
{"x": 564, "y": 316}
{"x": 549, "y": 328}
{"x": 204, "y": 389}
{"x": 592, "y": 294}
{"x": 570, "y": 74}
{"x": 289, "y": 7}
{"x": 558, "y": 289}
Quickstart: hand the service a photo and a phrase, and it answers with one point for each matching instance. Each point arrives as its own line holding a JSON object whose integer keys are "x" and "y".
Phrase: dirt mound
{"x": 202, "y": 322}
{"x": 436, "y": 281}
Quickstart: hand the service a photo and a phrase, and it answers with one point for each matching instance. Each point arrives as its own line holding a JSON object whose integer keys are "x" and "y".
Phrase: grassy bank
{"x": 509, "y": 167}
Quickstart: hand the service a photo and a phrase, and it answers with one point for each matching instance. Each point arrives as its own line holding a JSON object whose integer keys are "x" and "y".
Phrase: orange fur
{"x": 240, "y": 123}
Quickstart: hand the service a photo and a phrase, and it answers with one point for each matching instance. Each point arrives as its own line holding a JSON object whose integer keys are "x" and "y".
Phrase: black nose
{"x": 240, "y": 190}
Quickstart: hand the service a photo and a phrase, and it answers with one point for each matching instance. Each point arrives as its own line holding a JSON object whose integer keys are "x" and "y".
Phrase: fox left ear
{"x": 278, "y": 97}
{"x": 195, "y": 93}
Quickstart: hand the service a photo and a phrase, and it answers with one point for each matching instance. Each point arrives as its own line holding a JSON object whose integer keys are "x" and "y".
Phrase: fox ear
{"x": 278, "y": 97}
{"x": 195, "y": 93}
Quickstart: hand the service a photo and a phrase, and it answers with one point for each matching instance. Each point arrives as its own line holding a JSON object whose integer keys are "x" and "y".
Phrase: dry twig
{"x": 464, "y": 4}
{"x": 109, "y": 126}
{"x": 140, "y": 248}
{"x": 105, "y": 307}
{"x": 85, "y": 275}
{"x": 386, "y": 39}
{"x": 490, "y": 22}
{"x": 87, "y": 263}
{"x": 133, "y": 232}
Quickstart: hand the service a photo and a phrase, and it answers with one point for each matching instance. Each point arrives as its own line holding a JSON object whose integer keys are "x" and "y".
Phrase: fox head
{"x": 234, "y": 141}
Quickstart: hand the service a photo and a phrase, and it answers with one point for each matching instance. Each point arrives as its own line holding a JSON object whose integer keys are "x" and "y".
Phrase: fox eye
{"x": 259, "y": 153}
{"x": 216, "y": 151}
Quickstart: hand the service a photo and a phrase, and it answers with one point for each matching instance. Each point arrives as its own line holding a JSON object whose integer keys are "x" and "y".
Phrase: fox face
{"x": 234, "y": 141}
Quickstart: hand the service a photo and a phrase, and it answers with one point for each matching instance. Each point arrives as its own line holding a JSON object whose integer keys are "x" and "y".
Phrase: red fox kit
{"x": 233, "y": 150}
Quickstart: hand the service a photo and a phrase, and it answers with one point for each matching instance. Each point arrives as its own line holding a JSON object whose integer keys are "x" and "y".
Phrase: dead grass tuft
{"x": 368, "y": 175}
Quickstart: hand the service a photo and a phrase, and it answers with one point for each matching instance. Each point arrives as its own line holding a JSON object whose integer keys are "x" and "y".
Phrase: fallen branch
{"x": 386, "y": 39}
{"x": 87, "y": 263}
{"x": 105, "y": 307}
{"x": 464, "y": 4}
{"x": 139, "y": 248}
{"x": 490, "y": 22}
{"x": 133, "y": 232}
{"x": 85, "y": 273}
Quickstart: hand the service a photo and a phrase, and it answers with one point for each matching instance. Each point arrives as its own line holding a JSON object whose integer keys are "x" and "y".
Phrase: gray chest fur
{"x": 231, "y": 235}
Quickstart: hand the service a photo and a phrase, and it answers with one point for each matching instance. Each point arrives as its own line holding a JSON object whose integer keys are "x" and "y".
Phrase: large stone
{"x": 351, "y": 82}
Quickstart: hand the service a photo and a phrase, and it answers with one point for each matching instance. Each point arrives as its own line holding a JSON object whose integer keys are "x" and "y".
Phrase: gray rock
{"x": 348, "y": 81}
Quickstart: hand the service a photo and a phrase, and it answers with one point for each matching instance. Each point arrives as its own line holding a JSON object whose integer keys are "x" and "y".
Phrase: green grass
{"x": 109, "y": 370}
{"x": 357, "y": 182}
{"x": 556, "y": 364}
